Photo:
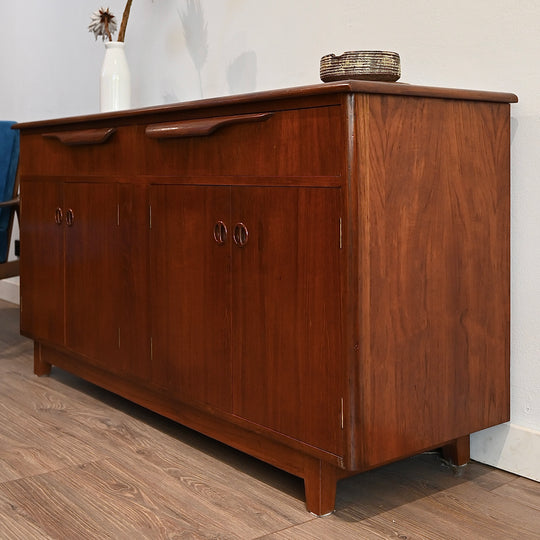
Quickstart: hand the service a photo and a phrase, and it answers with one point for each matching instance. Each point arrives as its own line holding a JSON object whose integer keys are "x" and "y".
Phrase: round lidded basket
{"x": 361, "y": 65}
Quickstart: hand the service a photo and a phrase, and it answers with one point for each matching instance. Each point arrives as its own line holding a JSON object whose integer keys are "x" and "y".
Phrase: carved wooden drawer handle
{"x": 201, "y": 126}
{"x": 86, "y": 136}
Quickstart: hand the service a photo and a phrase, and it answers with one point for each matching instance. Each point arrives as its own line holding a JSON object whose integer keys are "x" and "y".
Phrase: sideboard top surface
{"x": 342, "y": 87}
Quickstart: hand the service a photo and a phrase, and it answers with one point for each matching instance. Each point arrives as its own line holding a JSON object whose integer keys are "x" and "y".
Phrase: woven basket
{"x": 362, "y": 65}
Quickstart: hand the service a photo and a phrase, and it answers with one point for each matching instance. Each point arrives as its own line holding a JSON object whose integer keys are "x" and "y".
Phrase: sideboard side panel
{"x": 438, "y": 300}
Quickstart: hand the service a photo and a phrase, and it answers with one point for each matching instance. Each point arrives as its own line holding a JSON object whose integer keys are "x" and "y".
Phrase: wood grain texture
{"x": 287, "y": 313}
{"x": 191, "y": 294}
{"x": 522, "y": 491}
{"x": 42, "y": 273}
{"x": 436, "y": 228}
{"x": 49, "y": 156}
{"x": 133, "y": 284}
{"x": 79, "y": 462}
{"x": 296, "y": 143}
{"x": 91, "y": 270}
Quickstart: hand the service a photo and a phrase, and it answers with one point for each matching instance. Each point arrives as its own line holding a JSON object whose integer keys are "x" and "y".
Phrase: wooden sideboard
{"x": 317, "y": 276}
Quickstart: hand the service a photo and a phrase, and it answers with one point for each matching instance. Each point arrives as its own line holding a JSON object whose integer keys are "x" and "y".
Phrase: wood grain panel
{"x": 92, "y": 271}
{"x": 42, "y": 261}
{"x": 299, "y": 143}
{"x": 286, "y": 313}
{"x": 191, "y": 284}
{"x": 50, "y": 156}
{"x": 438, "y": 242}
{"x": 133, "y": 272}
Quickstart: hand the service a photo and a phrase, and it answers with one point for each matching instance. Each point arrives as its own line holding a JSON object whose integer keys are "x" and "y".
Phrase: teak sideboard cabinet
{"x": 317, "y": 276}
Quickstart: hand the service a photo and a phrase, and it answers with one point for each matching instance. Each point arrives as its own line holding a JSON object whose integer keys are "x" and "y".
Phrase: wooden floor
{"x": 77, "y": 462}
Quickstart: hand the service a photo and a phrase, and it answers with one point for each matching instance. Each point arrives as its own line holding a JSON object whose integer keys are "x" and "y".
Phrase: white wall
{"x": 50, "y": 66}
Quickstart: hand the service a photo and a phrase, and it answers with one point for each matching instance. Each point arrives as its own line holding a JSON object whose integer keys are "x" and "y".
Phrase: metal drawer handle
{"x": 58, "y": 216}
{"x": 220, "y": 232}
{"x": 240, "y": 235}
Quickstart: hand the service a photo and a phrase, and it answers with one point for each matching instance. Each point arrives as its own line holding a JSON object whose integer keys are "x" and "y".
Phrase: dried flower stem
{"x": 125, "y": 17}
{"x": 107, "y": 31}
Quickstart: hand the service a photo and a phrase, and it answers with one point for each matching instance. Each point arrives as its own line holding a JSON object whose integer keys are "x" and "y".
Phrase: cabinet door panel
{"x": 91, "y": 269}
{"x": 286, "y": 313}
{"x": 191, "y": 294}
{"x": 134, "y": 273}
{"x": 42, "y": 263}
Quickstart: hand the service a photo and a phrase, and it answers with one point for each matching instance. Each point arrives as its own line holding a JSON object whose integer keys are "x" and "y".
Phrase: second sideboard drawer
{"x": 304, "y": 142}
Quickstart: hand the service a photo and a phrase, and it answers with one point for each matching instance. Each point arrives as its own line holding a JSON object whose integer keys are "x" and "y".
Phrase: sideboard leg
{"x": 457, "y": 451}
{"x": 41, "y": 368}
{"x": 320, "y": 479}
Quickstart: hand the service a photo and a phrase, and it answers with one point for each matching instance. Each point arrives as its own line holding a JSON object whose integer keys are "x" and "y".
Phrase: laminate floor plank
{"x": 423, "y": 490}
{"x": 104, "y": 500}
{"x": 493, "y": 510}
{"x": 388, "y": 508}
{"x": 32, "y": 445}
{"x": 77, "y": 462}
{"x": 19, "y": 529}
{"x": 9, "y": 323}
{"x": 132, "y": 497}
{"x": 523, "y": 491}
{"x": 417, "y": 477}
{"x": 114, "y": 433}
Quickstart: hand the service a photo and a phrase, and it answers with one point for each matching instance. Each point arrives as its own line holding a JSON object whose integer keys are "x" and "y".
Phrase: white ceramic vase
{"x": 115, "y": 84}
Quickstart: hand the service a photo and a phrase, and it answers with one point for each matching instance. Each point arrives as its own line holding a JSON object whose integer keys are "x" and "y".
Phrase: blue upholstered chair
{"x": 9, "y": 199}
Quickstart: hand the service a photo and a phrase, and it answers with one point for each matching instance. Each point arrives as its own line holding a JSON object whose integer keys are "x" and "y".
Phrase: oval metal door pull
{"x": 58, "y": 216}
{"x": 70, "y": 217}
{"x": 220, "y": 232}
{"x": 240, "y": 234}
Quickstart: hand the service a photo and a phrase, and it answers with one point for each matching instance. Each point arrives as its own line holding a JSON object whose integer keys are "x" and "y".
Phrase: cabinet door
{"x": 91, "y": 271}
{"x": 42, "y": 264}
{"x": 190, "y": 292}
{"x": 133, "y": 273}
{"x": 286, "y": 328}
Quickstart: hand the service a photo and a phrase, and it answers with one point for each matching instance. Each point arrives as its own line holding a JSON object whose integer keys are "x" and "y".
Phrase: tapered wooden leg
{"x": 457, "y": 451}
{"x": 320, "y": 479}
{"x": 41, "y": 368}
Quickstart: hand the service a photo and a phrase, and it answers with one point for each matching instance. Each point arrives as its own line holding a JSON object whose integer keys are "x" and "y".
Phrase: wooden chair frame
{"x": 11, "y": 268}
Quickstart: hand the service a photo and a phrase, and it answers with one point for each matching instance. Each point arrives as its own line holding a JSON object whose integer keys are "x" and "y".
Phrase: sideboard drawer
{"x": 102, "y": 151}
{"x": 303, "y": 142}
